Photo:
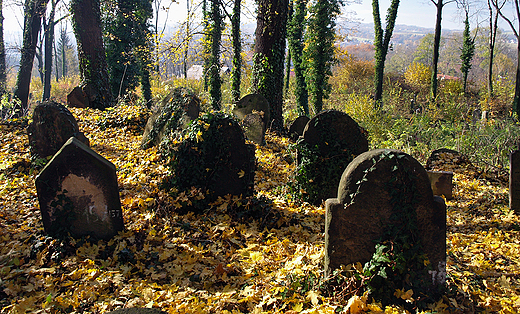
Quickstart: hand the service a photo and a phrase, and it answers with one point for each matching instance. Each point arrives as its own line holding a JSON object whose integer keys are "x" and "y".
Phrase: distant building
{"x": 195, "y": 72}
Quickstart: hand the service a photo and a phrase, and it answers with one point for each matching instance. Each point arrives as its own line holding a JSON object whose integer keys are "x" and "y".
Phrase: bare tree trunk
{"x": 436, "y": 48}
{"x": 49, "y": 40}
{"x": 34, "y": 10}
{"x": 3, "y": 73}
{"x": 91, "y": 53}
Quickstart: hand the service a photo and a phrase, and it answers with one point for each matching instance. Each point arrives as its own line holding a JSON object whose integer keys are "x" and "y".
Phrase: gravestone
{"x": 442, "y": 156}
{"x": 485, "y": 115}
{"x": 385, "y": 195}
{"x": 329, "y": 143}
{"x": 52, "y": 125}
{"x": 253, "y": 103}
{"x": 477, "y": 114}
{"x": 78, "y": 98}
{"x": 174, "y": 114}
{"x": 514, "y": 181}
{"x": 214, "y": 157}
{"x": 78, "y": 194}
{"x": 441, "y": 183}
{"x": 254, "y": 127}
{"x": 297, "y": 127}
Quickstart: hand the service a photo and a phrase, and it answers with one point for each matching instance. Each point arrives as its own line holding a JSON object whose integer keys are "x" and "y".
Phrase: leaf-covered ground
{"x": 255, "y": 255}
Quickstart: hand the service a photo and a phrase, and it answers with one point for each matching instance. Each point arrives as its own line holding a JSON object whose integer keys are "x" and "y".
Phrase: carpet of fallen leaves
{"x": 241, "y": 256}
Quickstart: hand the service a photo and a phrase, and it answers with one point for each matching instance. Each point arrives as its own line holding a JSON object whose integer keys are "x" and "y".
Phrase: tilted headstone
{"x": 78, "y": 194}
{"x": 514, "y": 181}
{"x": 52, "y": 125}
{"x": 253, "y": 103}
{"x": 297, "y": 127}
{"x": 334, "y": 139}
{"x": 214, "y": 157}
{"x": 174, "y": 113}
{"x": 386, "y": 193}
{"x": 254, "y": 127}
{"x": 441, "y": 183}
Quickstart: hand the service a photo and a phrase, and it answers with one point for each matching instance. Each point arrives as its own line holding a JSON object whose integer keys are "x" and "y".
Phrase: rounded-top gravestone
{"x": 329, "y": 143}
{"x": 297, "y": 127}
{"x": 173, "y": 114}
{"x": 214, "y": 157}
{"x": 385, "y": 200}
{"x": 52, "y": 125}
{"x": 442, "y": 156}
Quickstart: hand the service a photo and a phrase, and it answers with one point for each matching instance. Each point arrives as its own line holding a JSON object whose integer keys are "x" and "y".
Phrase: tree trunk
{"x": 236, "y": 72}
{"x": 91, "y": 53}
{"x": 3, "y": 73}
{"x": 295, "y": 39}
{"x": 215, "y": 82}
{"x": 516, "y": 107}
{"x": 49, "y": 40}
{"x": 33, "y": 10}
{"x": 269, "y": 55}
{"x": 436, "y": 48}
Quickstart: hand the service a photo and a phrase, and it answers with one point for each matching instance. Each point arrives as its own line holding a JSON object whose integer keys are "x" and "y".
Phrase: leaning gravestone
{"x": 78, "y": 194}
{"x": 253, "y": 104}
{"x": 514, "y": 181}
{"x": 52, "y": 125}
{"x": 174, "y": 113}
{"x": 385, "y": 201}
{"x": 297, "y": 127}
{"x": 329, "y": 143}
{"x": 214, "y": 157}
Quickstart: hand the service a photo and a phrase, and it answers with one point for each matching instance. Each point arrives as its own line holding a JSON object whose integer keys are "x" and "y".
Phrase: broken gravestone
{"x": 514, "y": 181}
{"x": 330, "y": 141}
{"x": 386, "y": 217}
{"x": 258, "y": 106}
{"x": 297, "y": 127}
{"x": 213, "y": 157}
{"x": 78, "y": 194}
{"x": 174, "y": 114}
{"x": 52, "y": 125}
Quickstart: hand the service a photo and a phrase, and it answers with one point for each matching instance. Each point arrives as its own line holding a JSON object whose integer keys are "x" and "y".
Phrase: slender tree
{"x": 237, "y": 50}
{"x": 33, "y": 11}
{"x": 295, "y": 38}
{"x": 493, "y": 31}
{"x": 269, "y": 56}
{"x": 3, "y": 68}
{"x": 215, "y": 36}
{"x": 516, "y": 32}
{"x": 467, "y": 53}
{"x": 91, "y": 53}
{"x": 48, "y": 28}
{"x": 381, "y": 43}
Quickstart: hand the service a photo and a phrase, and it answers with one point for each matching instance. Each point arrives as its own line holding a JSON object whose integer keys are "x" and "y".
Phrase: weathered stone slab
{"x": 53, "y": 124}
{"x": 78, "y": 98}
{"x": 78, "y": 194}
{"x": 446, "y": 156}
{"x": 174, "y": 114}
{"x": 254, "y": 127}
{"x": 253, "y": 104}
{"x": 476, "y": 116}
{"x": 329, "y": 143}
{"x": 385, "y": 197}
{"x": 297, "y": 127}
{"x": 441, "y": 183}
{"x": 514, "y": 181}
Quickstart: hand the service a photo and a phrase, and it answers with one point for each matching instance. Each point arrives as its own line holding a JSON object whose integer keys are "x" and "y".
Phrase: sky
{"x": 410, "y": 12}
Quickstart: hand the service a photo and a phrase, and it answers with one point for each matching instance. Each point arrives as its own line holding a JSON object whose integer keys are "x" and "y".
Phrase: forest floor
{"x": 257, "y": 255}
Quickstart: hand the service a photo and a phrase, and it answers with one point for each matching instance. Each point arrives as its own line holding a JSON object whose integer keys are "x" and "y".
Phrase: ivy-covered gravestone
{"x": 174, "y": 113}
{"x": 78, "y": 194}
{"x": 52, "y": 125}
{"x": 330, "y": 141}
{"x": 386, "y": 217}
{"x": 258, "y": 106}
{"x": 297, "y": 127}
{"x": 213, "y": 157}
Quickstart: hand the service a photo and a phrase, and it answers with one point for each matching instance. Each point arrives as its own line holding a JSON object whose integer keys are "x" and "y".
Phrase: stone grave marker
{"x": 385, "y": 195}
{"x": 485, "y": 115}
{"x": 173, "y": 114}
{"x": 52, "y": 125}
{"x": 297, "y": 127}
{"x": 214, "y": 157}
{"x": 253, "y": 103}
{"x": 330, "y": 141}
{"x": 78, "y": 194}
{"x": 254, "y": 127}
{"x": 514, "y": 181}
{"x": 441, "y": 183}
{"x": 477, "y": 113}
{"x": 444, "y": 155}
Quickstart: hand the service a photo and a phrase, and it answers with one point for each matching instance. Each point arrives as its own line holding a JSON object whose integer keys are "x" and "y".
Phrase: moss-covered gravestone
{"x": 386, "y": 217}
{"x": 330, "y": 141}
{"x": 78, "y": 194}
{"x": 251, "y": 110}
{"x": 52, "y": 125}
{"x": 297, "y": 127}
{"x": 213, "y": 157}
{"x": 174, "y": 113}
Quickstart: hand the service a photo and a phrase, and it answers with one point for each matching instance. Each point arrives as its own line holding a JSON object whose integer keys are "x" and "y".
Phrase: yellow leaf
{"x": 355, "y": 304}
{"x": 241, "y": 173}
{"x": 314, "y": 297}
{"x": 298, "y": 307}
